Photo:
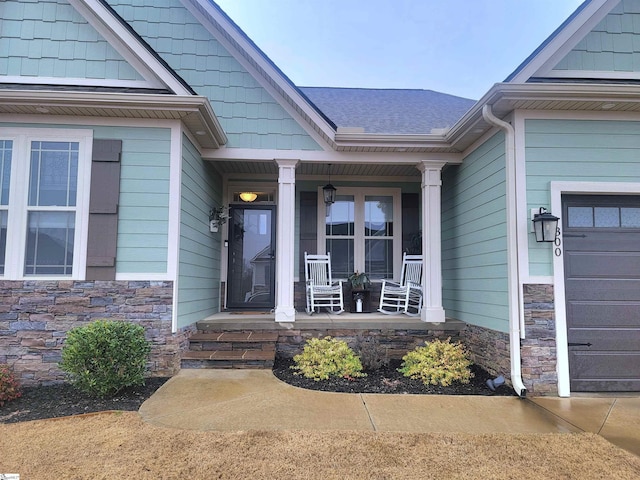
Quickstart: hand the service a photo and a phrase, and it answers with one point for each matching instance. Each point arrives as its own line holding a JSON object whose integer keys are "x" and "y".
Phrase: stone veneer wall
{"x": 490, "y": 349}
{"x": 539, "y": 353}
{"x": 397, "y": 342}
{"x": 36, "y": 315}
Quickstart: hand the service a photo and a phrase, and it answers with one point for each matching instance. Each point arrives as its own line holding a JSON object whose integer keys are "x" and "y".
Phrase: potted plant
{"x": 359, "y": 281}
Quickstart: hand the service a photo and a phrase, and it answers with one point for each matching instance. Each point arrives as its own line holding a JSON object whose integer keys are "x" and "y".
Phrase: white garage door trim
{"x": 557, "y": 190}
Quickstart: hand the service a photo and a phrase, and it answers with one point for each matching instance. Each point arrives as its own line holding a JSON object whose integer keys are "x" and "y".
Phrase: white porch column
{"x": 432, "y": 310}
{"x": 285, "y": 241}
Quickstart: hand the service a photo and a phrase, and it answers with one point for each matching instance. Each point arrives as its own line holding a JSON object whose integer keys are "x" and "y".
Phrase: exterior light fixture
{"x": 545, "y": 226}
{"x": 248, "y": 196}
{"x": 329, "y": 191}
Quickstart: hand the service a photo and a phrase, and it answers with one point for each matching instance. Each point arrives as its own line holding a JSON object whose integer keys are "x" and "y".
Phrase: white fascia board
{"x": 83, "y": 82}
{"x": 265, "y": 74}
{"x": 540, "y": 91}
{"x": 129, "y": 46}
{"x": 591, "y": 74}
{"x": 318, "y": 156}
{"x": 182, "y": 105}
{"x": 565, "y": 40}
{"x": 390, "y": 140}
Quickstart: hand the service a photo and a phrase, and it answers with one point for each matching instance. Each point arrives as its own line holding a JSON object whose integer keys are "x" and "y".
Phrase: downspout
{"x": 512, "y": 250}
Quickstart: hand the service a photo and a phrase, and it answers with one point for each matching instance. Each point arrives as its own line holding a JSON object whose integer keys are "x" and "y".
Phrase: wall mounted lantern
{"x": 248, "y": 196}
{"x": 545, "y": 226}
{"x": 329, "y": 191}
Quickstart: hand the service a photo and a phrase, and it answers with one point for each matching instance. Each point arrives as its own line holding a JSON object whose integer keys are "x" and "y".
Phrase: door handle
{"x": 573, "y": 344}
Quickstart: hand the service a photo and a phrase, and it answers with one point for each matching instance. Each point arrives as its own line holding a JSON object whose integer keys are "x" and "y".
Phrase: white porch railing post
{"x": 285, "y": 241}
{"x": 432, "y": 310}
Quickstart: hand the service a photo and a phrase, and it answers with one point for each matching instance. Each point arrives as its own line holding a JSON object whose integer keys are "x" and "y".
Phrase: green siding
{"x": 199, "y": 261}
{"x": 49, "y": 38}
{"x": 143, "y": 211}
{"x": 249, "y": 115}
{"x": 612, "y": 46}
{"x": 474, "y": 238}
{"x": 575, "y": 151}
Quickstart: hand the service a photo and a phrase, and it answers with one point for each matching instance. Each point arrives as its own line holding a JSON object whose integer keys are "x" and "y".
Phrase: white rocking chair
{"x": 406, "y": 296}
{"x": 321, "y": 290}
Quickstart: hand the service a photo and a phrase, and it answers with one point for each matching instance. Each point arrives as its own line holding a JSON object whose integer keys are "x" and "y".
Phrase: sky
{"x": 460, "y": 47}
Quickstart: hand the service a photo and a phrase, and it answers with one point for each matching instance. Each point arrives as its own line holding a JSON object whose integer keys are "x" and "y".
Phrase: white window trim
{"x": 18, "y": 198}
{"x": 359, "y": 194}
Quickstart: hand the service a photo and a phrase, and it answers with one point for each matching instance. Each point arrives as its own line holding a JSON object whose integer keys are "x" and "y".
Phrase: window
{"x": 44, "y": 179}
{"x": 362, "y": 231}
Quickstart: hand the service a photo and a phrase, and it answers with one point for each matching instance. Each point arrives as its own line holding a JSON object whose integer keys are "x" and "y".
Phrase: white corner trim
{"x": 173, "y": 247}
{"x": 557, "y": 190}
{"x": 128, "y": 45}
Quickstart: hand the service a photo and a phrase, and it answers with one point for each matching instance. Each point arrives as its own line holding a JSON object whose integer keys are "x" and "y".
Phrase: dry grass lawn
{"x": 120, "y": 445}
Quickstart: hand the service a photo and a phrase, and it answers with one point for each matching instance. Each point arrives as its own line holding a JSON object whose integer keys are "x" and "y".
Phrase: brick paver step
{"x": 230, "y": 355}
{"x": 235, "y": 337}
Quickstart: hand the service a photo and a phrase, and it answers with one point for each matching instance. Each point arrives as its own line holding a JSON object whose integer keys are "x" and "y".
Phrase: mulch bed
{"x": 389, "y": 380}
{"x": 62, "y": 399}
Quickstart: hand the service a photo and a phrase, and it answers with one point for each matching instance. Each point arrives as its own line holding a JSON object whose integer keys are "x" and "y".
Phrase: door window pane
{"x": 50, "y": 243}
{"x": 54, "y": 174}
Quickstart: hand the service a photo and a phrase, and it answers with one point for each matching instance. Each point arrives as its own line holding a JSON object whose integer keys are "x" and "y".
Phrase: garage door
{"x": 601, "y": 242}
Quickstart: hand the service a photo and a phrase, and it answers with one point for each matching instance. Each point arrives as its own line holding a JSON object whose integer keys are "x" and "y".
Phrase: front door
{"x": 601, "y": 240}
{"x": 251, "y": 277}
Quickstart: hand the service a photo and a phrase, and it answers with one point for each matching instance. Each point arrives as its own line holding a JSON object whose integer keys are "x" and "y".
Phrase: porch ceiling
{"x": 233, "y": 167}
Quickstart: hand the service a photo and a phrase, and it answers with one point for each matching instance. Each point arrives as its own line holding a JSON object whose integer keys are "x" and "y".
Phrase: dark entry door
{"x": 251, "y": 272}
{"x": 601, "y": 238}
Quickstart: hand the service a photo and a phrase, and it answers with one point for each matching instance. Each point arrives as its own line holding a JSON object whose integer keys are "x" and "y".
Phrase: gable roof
{"x": 388, "y": 111}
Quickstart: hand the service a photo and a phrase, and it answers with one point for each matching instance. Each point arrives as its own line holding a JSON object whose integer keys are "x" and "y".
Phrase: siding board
{"x": 474, "y": 256}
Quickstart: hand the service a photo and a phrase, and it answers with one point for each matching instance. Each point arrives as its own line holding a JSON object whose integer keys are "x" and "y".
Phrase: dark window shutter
{"x": 103, "y": 210}
{"x": 411, "y": 234}
{"x": 308, "y": 226}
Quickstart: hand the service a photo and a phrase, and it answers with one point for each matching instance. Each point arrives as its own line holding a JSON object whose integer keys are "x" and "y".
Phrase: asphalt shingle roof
{"x": 388, "y": 110}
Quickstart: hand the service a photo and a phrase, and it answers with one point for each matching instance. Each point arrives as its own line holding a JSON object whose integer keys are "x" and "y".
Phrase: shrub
{"x": 104, "y": 357}
{"x": 9, "y": 386}
{"x": 327, "y": 357}
{"x": 438, "y": 363}
{"x": 372, "y": 355}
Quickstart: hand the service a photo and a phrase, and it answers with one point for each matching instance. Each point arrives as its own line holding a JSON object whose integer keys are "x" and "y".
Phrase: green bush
{"x": 105, "y": 356}
{"x": 327, "y": 357}
{"x": 9, "y": 386}
{"x": 372, "y": 355}
{"x": 438, "y": 363}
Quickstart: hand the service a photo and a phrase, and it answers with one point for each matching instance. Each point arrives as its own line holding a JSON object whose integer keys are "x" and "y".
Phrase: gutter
{"x": 512, "y": 250}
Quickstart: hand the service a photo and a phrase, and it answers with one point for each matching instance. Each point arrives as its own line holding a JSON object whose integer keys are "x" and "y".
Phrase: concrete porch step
{"x": 238, "y": 349}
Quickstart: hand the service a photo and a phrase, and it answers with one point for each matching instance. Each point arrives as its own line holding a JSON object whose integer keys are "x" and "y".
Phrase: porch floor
{"x": 320, "y": 321}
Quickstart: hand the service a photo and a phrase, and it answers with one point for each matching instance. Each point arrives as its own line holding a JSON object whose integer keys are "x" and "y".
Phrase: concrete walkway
{"x": 232, "y": 400}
